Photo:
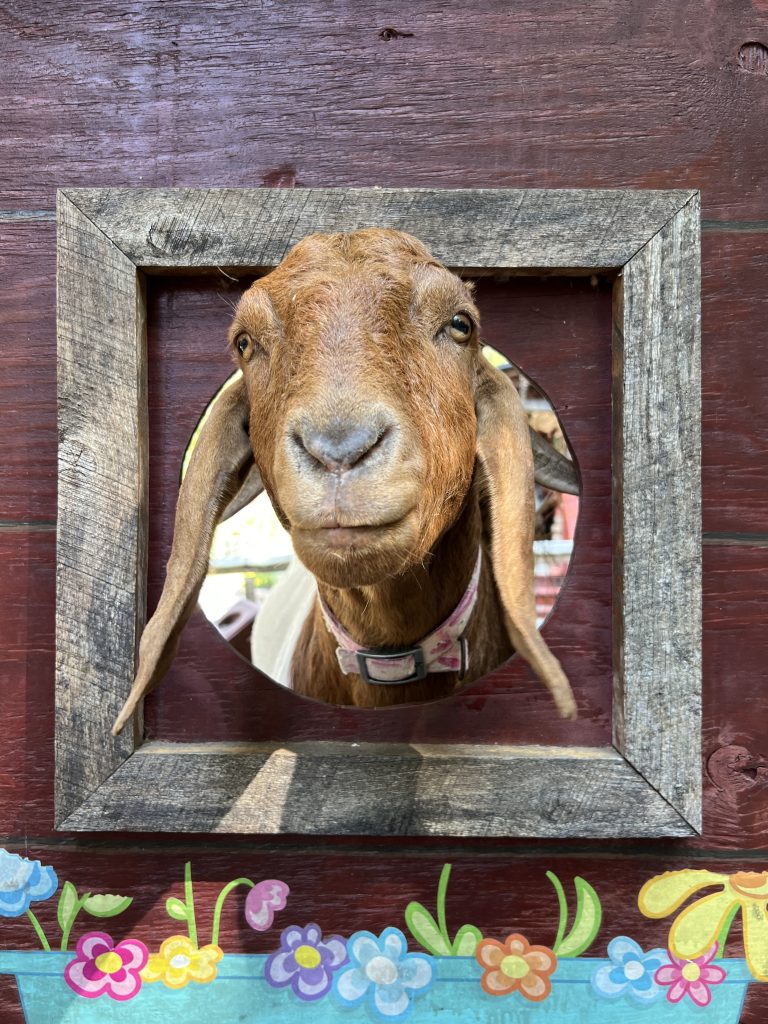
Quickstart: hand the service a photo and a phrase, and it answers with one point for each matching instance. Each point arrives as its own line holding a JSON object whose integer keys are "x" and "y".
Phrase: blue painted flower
{"x": 306, "y": 961}
{"x": 383, "y": 972}
{"x": 630, "y": 972}
{"x": 21, "y": 881}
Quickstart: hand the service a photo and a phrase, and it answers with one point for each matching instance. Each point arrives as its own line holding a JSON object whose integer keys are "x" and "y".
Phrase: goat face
{"x": 360, "y": 356}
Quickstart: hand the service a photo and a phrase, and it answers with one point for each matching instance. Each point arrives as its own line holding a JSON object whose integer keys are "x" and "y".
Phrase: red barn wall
{"x": 631, "y": 93}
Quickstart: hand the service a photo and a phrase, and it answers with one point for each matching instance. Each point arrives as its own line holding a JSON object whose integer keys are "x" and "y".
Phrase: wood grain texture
{"x": 28, "y": 378}
{"x": 27, "y": 594}
{"x": 657, "y": 513}
{"x": 583, "y": 230}
{"x": 334, "y": 789}
{"x": 101, "y": 543}
{"x": 559, "y": 331}
{"x": 735, "y": 382}
{"x": 639, "y": 93}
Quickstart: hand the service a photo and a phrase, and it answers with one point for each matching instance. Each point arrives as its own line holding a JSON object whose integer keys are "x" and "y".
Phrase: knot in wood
{"x": 753, "y": 57}
{"x": 735, "y": 769}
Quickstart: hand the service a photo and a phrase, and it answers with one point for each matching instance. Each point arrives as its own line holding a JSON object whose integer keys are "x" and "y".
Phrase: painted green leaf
{"x": 176, "y": 908}
{"x": 466, "y": 940}
{"x": 107, "y": 905}
{"x": 69, "y": 904}
{"x": 424, "y": 929}
{"x": 586, "y": 923}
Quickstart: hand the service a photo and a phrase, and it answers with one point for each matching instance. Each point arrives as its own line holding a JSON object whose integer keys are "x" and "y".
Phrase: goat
{"x": 399, "y": 460}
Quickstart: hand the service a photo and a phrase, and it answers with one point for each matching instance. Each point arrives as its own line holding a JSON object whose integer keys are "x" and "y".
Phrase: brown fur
{"x": 351, "y": 329}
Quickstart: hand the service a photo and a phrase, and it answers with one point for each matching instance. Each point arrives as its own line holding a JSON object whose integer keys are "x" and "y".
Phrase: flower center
{"x": 381, "y": 970}
{"x": 691, "y": 972}
{"x": 110, "y": 962}
{"x": 514, "y": 967}
{"x": 180, "y": 960}
{"x": 307, "y": 956}
{"x": 633, "y": 970}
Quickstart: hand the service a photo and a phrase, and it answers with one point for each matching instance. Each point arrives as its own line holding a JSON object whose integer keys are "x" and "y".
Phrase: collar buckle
{"x": 419, "y": 666}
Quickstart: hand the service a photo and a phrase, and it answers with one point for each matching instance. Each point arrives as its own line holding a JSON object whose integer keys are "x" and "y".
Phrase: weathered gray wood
{"x": 101, "y": 558}
{"x": 506, "y": 229}
{"x": 373, "y": 789}
{"x": 657, "y": 513}
{"x": 651, "y": 786}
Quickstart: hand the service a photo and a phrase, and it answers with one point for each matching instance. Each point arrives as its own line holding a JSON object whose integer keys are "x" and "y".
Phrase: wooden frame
{"x": 647, "y": 784}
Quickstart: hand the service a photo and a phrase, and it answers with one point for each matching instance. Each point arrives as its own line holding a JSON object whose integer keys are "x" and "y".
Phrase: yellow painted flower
{"x": 699, "y": 925}
{"x": 179, "y": 961}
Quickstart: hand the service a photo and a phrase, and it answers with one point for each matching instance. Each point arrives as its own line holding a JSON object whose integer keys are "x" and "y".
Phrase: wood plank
{"x": 666, "y": 98}
{"x": 559, "y": 331}
{"x": 657, "y": 513}
{"x": 458, "y": 790}
{"x": 584, "y": 230}
{"x": 28, "y": 379}
{"x": 735, "y": 382}
{"x": 101, "y": 544}
{"x": 735, "y": 656}
{"x": 26, "y": 670}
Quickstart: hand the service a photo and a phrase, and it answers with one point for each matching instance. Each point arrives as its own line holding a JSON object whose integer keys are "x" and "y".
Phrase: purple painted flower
{"x": 102, "y": 968}
{"x": 306, "y": 961}
{"x": 22, "y": 881}
{"x": 263, "y": 900}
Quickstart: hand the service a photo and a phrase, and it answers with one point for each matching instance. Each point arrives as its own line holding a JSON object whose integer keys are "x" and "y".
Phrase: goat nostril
{"x": 341, "y": 446}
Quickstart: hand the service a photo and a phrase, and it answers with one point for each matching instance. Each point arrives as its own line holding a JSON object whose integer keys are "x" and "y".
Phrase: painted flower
{"x": 22, "y": 881}
{"x": 516, "y": 966}
{"x": 263, "y": 900}
{"x": 306, "y": 961}
{"x": 691, "y": 977}
{"x": 179, "y": 961}
{"x": 630, "y": 972}
{"x": 383, "y": 972}
{"x": 699, "y": 925}
{"x": 101, "y": 967}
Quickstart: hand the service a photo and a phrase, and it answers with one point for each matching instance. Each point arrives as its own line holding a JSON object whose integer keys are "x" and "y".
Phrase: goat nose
{"x": 341, "y": 444}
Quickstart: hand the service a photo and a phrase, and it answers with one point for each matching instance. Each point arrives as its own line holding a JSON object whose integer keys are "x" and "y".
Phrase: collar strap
{"x": 444, "y": 650}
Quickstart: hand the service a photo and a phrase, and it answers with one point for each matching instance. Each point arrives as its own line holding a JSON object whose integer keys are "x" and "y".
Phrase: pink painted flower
{"x": 102, "y": 968}
{"x": 263, "y": 900}
{"x": 691, "y": 977}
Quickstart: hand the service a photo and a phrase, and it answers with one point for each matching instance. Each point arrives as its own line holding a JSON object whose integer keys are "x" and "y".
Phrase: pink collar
{"x": 444, "y": 650}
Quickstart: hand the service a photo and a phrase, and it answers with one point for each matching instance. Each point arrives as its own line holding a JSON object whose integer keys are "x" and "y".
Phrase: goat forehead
{"x": 350, "y": 306}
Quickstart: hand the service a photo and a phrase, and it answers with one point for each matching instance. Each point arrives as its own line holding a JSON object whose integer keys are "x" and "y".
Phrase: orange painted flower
{"x": 179, "y": 961}
{"x": 514, "y": 966}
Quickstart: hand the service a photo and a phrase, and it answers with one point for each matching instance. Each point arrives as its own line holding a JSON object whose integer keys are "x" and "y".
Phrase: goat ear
{"x": 219, "y": 468}
{"x": 504, "y": 449}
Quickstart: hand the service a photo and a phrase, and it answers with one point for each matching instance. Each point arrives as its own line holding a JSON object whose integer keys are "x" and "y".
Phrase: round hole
{"x": 257, "y": 595}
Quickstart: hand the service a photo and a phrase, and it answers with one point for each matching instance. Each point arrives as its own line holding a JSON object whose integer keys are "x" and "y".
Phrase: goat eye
{"x": 460, "y": 327}
{"x": 242, "y": 344}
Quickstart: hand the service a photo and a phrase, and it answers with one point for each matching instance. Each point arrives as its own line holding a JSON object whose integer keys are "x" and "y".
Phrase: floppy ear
{"x": 504, "y": 448}
{"x": 219, "y": 467}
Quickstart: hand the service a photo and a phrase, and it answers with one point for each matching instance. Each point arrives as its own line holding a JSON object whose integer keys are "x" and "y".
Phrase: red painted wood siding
{"x": 635, "y": 93}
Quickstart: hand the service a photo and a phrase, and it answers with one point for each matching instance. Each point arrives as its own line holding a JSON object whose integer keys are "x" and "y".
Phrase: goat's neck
{"x": 403, "y": 609}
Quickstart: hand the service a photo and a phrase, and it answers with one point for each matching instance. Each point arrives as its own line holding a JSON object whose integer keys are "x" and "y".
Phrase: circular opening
{"x": 257, "y": 595}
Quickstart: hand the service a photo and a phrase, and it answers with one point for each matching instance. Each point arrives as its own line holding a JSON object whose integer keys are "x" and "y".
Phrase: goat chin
{"x": 345, "y": 557}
